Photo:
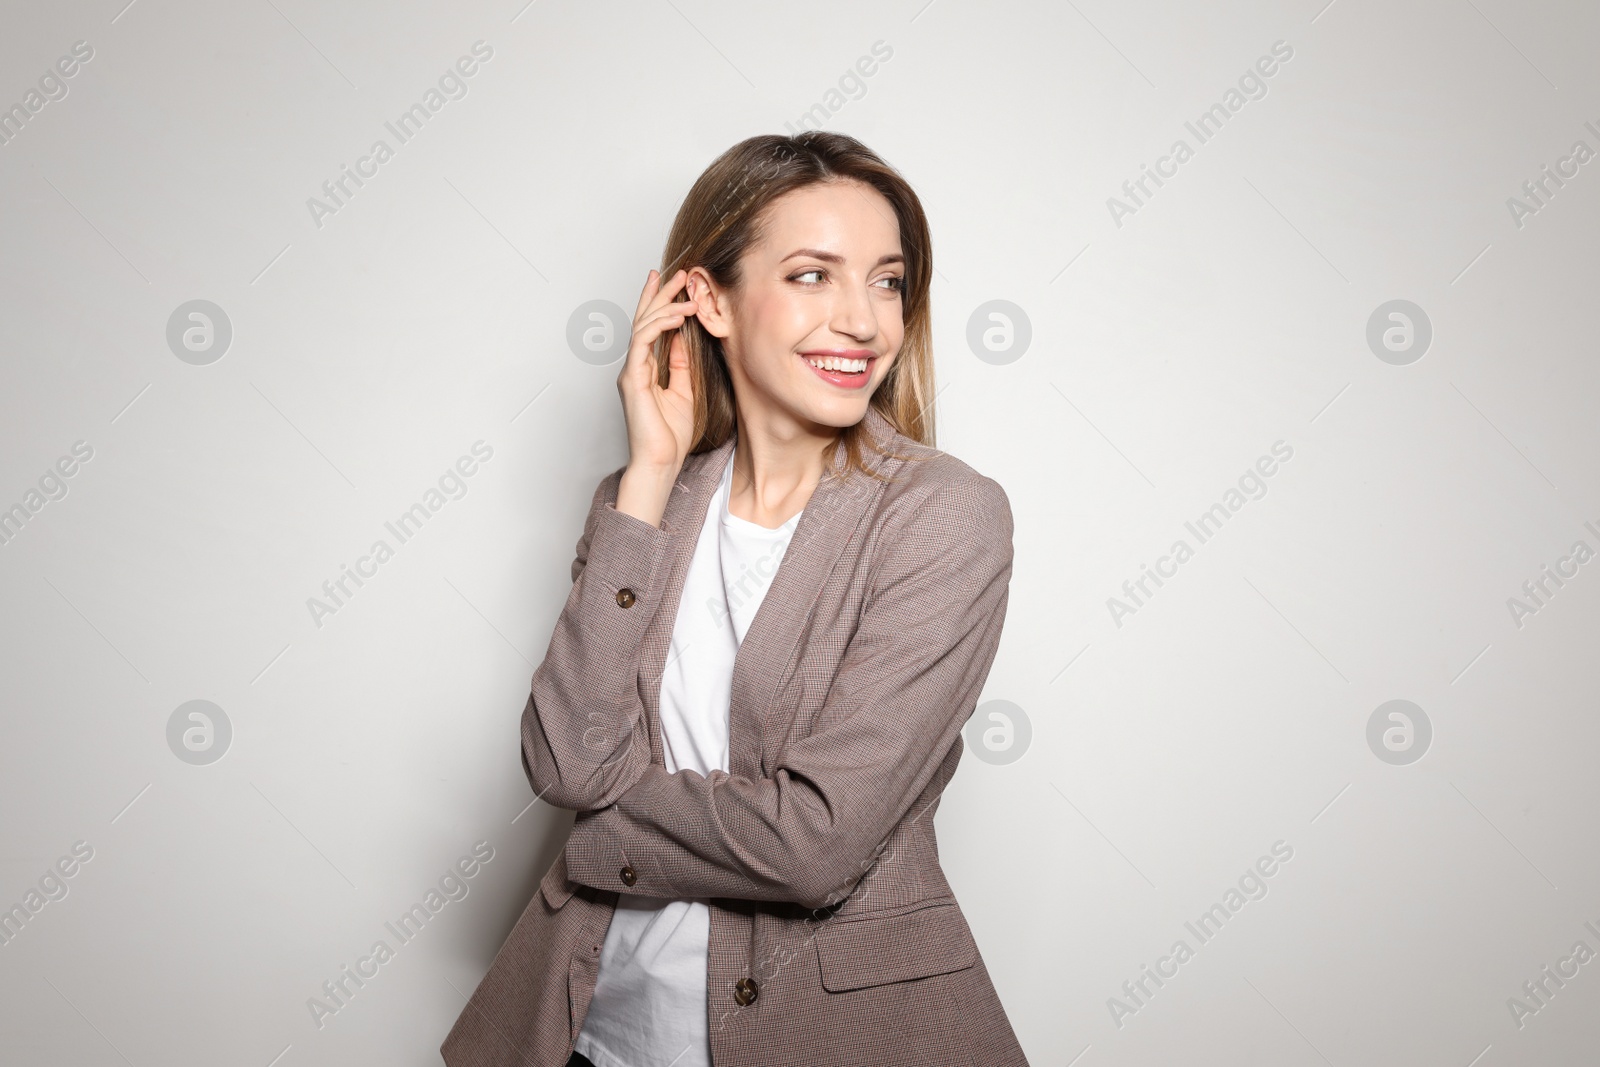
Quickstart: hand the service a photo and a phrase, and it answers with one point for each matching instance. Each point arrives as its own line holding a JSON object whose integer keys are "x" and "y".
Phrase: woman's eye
{"x": 896, "y": 283}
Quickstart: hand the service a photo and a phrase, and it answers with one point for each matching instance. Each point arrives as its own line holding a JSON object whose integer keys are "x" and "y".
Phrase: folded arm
{"x": 909, "y": 680}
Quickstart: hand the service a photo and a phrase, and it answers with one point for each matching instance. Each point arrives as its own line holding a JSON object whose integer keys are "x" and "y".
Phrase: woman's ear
{"x": 714, "y": 302}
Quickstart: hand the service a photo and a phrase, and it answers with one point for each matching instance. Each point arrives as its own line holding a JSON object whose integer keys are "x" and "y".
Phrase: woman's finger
{"x": 656, "y": 321}
{"x": 665, "y": 292}
{"x": 652, "y": 285}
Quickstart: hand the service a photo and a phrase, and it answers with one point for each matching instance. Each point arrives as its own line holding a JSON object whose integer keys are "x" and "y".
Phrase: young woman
{"x": 755, "y": 751}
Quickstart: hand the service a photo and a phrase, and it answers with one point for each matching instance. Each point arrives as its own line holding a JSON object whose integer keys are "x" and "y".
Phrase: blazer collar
{"x": 827, "y": 526}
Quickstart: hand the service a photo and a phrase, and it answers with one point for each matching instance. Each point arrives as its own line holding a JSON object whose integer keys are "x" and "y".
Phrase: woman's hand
{"x": 660, "y": 421}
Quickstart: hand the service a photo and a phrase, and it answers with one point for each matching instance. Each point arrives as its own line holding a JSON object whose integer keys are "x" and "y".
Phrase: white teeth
{"x": 837, "y": 363}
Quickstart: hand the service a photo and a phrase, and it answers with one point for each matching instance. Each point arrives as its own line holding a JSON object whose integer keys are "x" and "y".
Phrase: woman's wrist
{"x": 644, "y": 491}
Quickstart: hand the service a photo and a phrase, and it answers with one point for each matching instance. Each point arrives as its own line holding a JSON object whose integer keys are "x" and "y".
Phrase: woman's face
{"x": 816, "y": 321}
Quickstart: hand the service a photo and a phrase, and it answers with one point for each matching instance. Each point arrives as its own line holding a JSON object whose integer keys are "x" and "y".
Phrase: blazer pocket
{"x": 858, "y": 953}
{"x": 555, "y": 887}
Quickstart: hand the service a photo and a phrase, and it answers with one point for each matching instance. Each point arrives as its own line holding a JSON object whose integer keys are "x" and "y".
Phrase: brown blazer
{"x": 835, "y": 938}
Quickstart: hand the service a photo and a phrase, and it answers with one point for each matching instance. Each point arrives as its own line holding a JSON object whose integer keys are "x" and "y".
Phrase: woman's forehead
{"x": 845, "y": 219}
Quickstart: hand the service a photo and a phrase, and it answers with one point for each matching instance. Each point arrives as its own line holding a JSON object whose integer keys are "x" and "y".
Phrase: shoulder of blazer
{"x": 937, "y": 486}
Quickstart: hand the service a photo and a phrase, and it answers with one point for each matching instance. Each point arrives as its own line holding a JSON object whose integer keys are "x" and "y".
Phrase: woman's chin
{"x": 837, "y": 414}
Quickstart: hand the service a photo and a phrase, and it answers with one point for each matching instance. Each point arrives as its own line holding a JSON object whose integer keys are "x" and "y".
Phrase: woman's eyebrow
{"x": 833, "y": 257}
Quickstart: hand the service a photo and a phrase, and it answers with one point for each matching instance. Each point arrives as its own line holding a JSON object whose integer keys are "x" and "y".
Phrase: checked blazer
{"x": 835, "y": 939}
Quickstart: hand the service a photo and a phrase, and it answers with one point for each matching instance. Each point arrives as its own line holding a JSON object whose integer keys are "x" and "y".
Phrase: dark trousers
{"x": 580, "y": 1060}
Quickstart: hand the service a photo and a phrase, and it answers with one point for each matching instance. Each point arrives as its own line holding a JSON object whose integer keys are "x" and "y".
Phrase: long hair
{"x": 722, "y": 216}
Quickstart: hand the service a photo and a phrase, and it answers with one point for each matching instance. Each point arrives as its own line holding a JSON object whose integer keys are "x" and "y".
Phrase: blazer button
{"x": 625, "y": 597}
{"x": 629, "y": 876}
{"x": 745, "y": 990}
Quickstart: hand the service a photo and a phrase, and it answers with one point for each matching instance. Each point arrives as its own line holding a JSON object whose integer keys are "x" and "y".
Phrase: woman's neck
{"x": 775, "y": 474}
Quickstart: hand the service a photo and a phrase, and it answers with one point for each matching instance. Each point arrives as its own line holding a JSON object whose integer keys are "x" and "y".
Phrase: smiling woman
{"x": 779, "y": 236}
{"x": 754, "y": 752}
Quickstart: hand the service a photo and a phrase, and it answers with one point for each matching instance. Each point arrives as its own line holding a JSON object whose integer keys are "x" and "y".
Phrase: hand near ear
{"x": 660, "y": 421}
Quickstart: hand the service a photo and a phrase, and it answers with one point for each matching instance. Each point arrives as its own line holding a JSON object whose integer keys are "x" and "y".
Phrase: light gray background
{"x": 1167, "y": 754}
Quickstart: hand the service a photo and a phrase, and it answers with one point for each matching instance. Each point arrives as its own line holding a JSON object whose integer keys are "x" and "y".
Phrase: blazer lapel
{"x": 821, "y": 539}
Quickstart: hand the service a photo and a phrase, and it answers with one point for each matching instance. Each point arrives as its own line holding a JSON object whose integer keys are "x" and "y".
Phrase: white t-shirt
{"x": 649, "y": 1006}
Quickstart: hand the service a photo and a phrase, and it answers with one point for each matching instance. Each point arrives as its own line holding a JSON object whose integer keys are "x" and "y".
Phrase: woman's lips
{"x": 843, "y": 379}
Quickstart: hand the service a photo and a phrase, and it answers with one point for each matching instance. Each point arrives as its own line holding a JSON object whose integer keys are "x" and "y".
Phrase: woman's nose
{"x": 852, "y": 314}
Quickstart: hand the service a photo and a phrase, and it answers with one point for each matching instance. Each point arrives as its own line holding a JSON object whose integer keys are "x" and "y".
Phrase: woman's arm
{"x": 584, "y": 739}
{"x": 909, "y": 680}
{"x": 584, "y": 735}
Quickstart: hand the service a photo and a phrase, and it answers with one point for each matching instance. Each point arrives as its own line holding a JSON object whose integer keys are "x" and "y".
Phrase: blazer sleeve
{"x": 584, "y": 736}
{"x": 909, "y": 679}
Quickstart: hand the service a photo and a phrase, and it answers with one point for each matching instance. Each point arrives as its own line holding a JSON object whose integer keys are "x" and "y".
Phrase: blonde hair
{"x": 722, "y": 217}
